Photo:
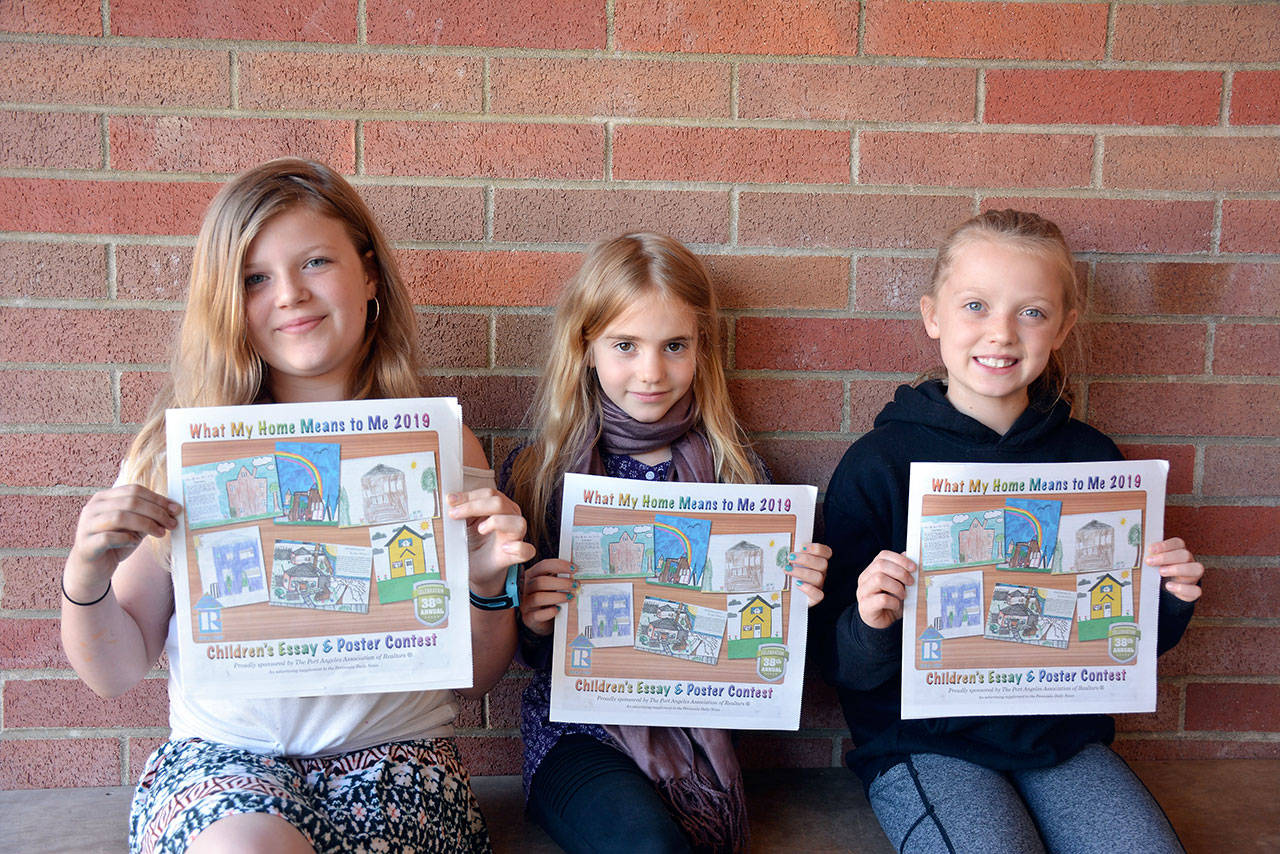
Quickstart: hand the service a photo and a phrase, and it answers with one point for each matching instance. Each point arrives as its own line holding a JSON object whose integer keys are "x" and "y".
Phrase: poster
{"x": 683, "y": 615}
{"x": 1031, "y": 596}
{"x": 312, "y": 557}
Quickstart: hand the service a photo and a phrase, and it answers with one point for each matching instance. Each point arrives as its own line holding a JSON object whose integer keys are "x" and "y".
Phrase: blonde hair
{"x": 213, "y": 363}
{"x": 616, "y": 273}
{"x": 1033, "y": 234}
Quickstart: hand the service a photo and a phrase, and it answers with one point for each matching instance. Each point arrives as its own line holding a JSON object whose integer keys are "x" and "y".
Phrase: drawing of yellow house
{"x": 756, "y": 619}
{"x": 1104, "y": 598}
{"x": 406, "y": 553}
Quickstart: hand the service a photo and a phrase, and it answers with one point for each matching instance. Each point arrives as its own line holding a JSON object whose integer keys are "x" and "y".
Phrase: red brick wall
{"x": 814, "y": 156}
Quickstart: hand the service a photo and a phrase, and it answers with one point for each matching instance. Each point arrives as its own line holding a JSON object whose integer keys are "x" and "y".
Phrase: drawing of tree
{"x": 1135, "y": 536}
{"x": 344, "y": 507}
{"x": 782, "y": 558}
{"x": 428, "y": 479}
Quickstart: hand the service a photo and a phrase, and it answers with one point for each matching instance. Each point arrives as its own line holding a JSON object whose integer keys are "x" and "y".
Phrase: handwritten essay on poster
{"x": 684, "y": 615}
{"x": 312, "y": 556}
{"x": 1031, "y": 596}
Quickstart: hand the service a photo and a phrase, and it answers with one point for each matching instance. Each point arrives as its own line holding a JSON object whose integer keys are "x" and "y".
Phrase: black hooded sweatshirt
{"x": 866, "y": 512}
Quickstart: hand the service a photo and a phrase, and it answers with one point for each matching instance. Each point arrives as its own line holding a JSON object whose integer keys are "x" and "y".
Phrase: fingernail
{"x": 570, "y": 599}
{"x": 799, "y": 583}
{"x": 792, "y": 556}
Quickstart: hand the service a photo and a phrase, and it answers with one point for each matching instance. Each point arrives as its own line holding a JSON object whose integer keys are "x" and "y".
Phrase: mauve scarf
{"x": 695, "y": 770}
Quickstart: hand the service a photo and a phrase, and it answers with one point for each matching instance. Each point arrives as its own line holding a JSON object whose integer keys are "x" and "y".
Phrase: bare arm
{"x": 496, "y": 531}
{"x": 115, "y": 641}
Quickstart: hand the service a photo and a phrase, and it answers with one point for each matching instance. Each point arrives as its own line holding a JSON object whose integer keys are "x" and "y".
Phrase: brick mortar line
{"x": 669, "y": 185}
{"x": 909, "y": 61}
{"x": 732, "y": 122}
{"x": 35, "y": 733}
{"x": 1109, "y": 36}
{"x": 663, "y": 185}
{"x": 233, "y": 80}
{"x": 1260, "y": 737}
{"x": 712, "y": 249}
{"x": 1225, "y": 100}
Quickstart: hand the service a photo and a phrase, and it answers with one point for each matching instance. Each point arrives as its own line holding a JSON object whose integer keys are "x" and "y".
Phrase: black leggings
{"x": 591, "y": 797}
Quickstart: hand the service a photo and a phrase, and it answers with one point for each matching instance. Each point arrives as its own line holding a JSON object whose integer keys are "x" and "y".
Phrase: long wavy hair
{"x": 1031, "y": 233}
{"x": 213, "y": 362}
{"x": 615, "y": 274}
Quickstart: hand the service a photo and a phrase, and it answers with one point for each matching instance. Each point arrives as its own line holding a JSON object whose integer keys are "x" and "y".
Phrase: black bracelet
{"x": 492, "y": 603}
{"x": 67, "y": 596}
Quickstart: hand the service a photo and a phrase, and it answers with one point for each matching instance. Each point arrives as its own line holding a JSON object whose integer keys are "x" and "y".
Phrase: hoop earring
{"x": 377, "y": 311}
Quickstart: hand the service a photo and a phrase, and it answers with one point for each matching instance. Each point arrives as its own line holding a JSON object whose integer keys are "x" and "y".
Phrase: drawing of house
{"x": 306, "y": 506}
{"x": 670, "y": 630}
{"x": 247, "y": 494}
{"x": 960, "y": 605}
{"x": 743, "y": 568}
{"x": 626, "y": 555}
{"x": 610, "y": 615}
{"x": 756, "y": 619}
{"x": 580, "y": 653}
{"x": 407, "y": 554}
{"x": 308, "y": 574}
{"x": 975, "y": 543}
{"x": 385, "y": 497}
{"x": 1024, "y": 554}
{"x": 675, "y": 570}
{"x": 209, "y": 617}
{"x": 1095, "y": 547}
{"x": 1017, "y": 613}
{"x": 238, "y": 567}
{"x": 1104, "y": 598}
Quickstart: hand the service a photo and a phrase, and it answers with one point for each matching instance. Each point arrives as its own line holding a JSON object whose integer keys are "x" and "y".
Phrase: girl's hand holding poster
{"x": 684, "y": 615}
{"x": 1031, "y": 595}
{"x": 312, "y": 557}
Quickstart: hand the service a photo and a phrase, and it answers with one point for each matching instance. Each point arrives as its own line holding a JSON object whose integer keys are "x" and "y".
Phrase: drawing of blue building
{"x": 960, "y": 605}
{"x": 239, "y": 567}
{"x": 610, "y": 615}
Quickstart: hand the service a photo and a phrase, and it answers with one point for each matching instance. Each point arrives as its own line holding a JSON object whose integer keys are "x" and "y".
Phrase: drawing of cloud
{"x": 225, "y": 466}
{"x": 643, "y": 529}
{"x": 609, "y": 529}
{"x": 958, "y": 518}
{"x": 992, "y": 514}
{"x": 264, "y": 461}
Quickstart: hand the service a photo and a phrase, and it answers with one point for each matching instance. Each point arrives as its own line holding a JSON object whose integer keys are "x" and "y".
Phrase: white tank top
{"x": 313, "y": 726}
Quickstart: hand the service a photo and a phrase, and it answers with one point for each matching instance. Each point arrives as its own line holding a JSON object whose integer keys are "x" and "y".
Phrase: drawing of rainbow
{"x": 684, "y": 538}
{"x": 1035, "y": 522}
{"x": 305, "y": 463}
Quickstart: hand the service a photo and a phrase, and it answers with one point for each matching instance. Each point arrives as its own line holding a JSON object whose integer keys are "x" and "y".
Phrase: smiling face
{"x": 645, "y": 358}
{"x": 306, "y": 289}
{"x": 997, "y": 316}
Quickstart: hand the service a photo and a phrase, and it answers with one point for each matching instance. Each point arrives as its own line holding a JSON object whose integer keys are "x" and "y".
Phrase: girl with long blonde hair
{"x": 634, "y": 387}
{"x": 294, "y": 297}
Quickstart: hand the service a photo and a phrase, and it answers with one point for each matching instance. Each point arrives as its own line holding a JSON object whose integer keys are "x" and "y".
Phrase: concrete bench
{"x": 1215, "y": 805}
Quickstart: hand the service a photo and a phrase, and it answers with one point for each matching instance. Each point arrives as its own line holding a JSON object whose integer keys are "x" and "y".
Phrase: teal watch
{"x": 509, "y": 598}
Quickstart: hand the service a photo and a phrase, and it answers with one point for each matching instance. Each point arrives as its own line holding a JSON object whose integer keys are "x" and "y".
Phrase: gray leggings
{"x": 1090, "y": 803}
